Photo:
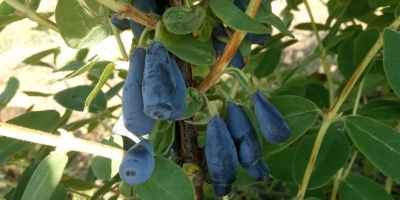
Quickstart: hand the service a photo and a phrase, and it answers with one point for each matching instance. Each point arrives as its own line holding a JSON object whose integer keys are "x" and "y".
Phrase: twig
{"x": 229, "y": 51}
{"x": 131, "y": 12}
{"x": 70, "y": 143}
{"x": 33, "y": 15}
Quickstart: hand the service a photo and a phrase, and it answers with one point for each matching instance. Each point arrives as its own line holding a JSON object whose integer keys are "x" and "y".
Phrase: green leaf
{"x": 163, "y": 140}
{"x": 60, "y": 193}
{"x": 50, "y": 170}
{"x": 194, "y": 101}
{"x": 74, "y": 99}
{"x": 345, "y": 58}
{"x": 39, "y": 120}
{"x": 8, "y": 19}
{"x": 318, "y": 94}
{"x": 362, "y": 45}
{"x": 235, "y": 18}
{"x": 77, "y": 184}
{"x": 36, "y": 94}
{"x": 358, "y": 187}
{"x": 391, "y": 59}
{"x": 6, "y": 9}
{"x": 307, "y": 26}
{"x": 77, "y": 27}
{"x": 168, "y": 181}
{"x": 9, "y": 92}
{"x": 397, "y": 12}
{"x": 295, "y": 90}
{"x": 36, "y": 58}
{"x": 299, "y": 113}
{"x": 103, "y": 79}
{"x": 114, "y": 90}
{"x": 269, "y": 63}
{"x": 281, "y": 164}
{"x": 382, "y": 3}
{"x": 125, "y": 189}
{"x": 188, "y": 48}
{"x": 24, "y": 180}
{"x": 81, "y": 70}
{"x": 375, "y": 139}
{"x": 381, "y": 109}
{"x": 106, "y": 168}
{"x": 329, "y": 160}
{"x": 239, "y": 75}
{"x": 270, "y": 18}
{"x": 183, "y": 20}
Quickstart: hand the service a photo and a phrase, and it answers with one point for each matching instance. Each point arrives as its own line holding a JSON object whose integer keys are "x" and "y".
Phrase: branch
{"x": 33, "y": 15}
{"x": 323, "y": 55}
{"x": 71, "y": 143}
{"x": 229, "y": 51}
{"x": 131, "y": 12}
{"x": 333, "y": 111}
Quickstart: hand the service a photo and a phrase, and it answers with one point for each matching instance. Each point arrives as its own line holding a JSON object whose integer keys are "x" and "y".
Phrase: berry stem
{"x": 33, "y": 15}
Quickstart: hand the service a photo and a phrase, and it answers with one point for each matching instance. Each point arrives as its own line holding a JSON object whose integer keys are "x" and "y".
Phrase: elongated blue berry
{"x": 138, "y": 163}
{"x": 247, "y": 145}
{"x": 159, "y": 86}
{"x": 180, "y": 94}
{"x": 134, "y": 119}
{"x": 273, "y": 126}
{"x": 145, "y": 6}
{"x": 221, "y": 156}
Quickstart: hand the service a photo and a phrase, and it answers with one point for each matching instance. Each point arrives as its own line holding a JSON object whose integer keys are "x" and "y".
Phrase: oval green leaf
{"x": 163, "y": 140}
{"x": 381, "y": 109}
{"x": 46, "y": 177}
{"x": 9, "y": 92}
{"x": 188, "y": 48}
{"x": 358, "y": 187}
{"x": 77, "y": 27}
{"x": 375, "y": 139}
{"x": 235, "y": 18}
{"x": 269, "y": 63}
{"x": 194, "y": 101}
{"x": 103, "y": 79}
{"x": 168, "y": 181}
{"x": 74, "y": 99}
{"x": 106, "y": 168}
{"x": 391, "y": 58}
{"x": 183, "y": 20}
{"x": 281, "y": 164}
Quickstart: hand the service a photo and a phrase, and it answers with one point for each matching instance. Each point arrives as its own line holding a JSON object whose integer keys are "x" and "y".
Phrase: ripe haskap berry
{"x": 134, "y": 119}
{"x": 237, "y": 59}
{"x": 273, "y": 126}
{"x": 221, "y": 156}
{"x": 247, "y": 145}
{"x": 138, "y": 163}
{"x": 159, "y": 86}
{"x": 122, "y": 24}
{"x": 180, "y": 94}
{"x": 145, "y": 6}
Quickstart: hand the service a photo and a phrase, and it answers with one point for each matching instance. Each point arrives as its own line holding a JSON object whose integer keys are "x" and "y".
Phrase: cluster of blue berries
{"x": 226, "y": 145}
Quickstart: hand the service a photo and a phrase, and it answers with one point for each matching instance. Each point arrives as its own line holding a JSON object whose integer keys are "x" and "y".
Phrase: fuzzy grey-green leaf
{"x": 183, "y": 20}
